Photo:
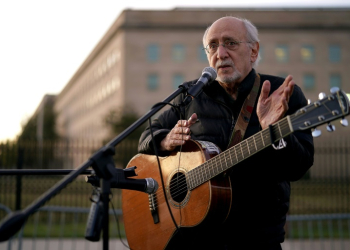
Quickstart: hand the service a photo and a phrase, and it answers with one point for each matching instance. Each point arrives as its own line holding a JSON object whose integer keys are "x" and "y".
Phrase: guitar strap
{"x": 244, "y": 116}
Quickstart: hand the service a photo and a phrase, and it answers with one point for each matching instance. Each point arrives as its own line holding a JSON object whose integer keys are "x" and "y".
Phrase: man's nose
{"x": 222, "y": 51}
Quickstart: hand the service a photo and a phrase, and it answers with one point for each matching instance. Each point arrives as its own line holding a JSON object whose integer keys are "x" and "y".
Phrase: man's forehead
{"x": 224, "y": 35}
{"x": 226, "y": 28}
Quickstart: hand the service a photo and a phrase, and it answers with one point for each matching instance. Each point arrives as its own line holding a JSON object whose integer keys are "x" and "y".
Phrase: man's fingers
{"x": 187, "y": 123}
{"x": 288, "y": 91}
{"x": 193, "y": 119}
{"x": 288, "y": 79}
{"x": 265, "y": 90}
{"x": 180, "y": 136}
{"x": 176, "y": 143}
{"x": 181, "y": 130}
{"x": 181, "y": 123}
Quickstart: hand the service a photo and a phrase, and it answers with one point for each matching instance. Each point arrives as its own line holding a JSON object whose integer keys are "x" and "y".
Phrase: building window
{"x": 282, "y": 53}
{"x": 308, "y": 81}
{"x": 282, "y": 74}
{"x": 334, "y": 53}
{"x": 261, "y": 53}
{"x": 202, "y": 55}
{"x": 307, "y": 53}
{"x": 178, "y": 53}
{"x": 335, "y": 80}
{"x": 152, "y": 82}
{"x": 153, "y": 53}
{"x": 177, "y": 80}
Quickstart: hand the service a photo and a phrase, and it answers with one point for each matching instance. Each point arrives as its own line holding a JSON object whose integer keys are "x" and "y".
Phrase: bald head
{"x": 247, "y": 29}
{"x": 227, "y": 20}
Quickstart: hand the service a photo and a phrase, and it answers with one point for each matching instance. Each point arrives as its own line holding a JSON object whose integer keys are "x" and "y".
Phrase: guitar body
{"x": 195, "y": 186}
{"x": 195, "y": 211}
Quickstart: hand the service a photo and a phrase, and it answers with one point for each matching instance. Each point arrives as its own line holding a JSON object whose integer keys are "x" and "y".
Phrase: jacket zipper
{"x": 232, "y": 123}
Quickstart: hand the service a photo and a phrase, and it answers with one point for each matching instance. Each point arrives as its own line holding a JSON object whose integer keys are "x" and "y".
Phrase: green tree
{"x": 29, "y": 129}
{"x": 8, "y": 154}
{"x": 38, "y": 145}
{"x": 118, "y": 121}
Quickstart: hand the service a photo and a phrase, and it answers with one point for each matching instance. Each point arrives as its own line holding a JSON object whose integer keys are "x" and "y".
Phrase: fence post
{"x": 19, "y": 178}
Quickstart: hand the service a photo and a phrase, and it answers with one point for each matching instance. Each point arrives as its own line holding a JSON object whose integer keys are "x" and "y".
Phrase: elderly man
{"x": 260, "y": 184}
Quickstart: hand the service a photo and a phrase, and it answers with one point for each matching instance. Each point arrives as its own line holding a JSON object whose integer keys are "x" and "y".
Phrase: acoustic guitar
{"x": 195, "y": 188}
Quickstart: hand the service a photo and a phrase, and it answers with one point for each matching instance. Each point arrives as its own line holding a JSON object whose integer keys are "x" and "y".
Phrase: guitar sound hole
{"x": 178, "y": 187}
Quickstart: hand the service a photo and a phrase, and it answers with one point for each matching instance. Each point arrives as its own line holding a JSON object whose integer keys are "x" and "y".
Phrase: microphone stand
{"x": 103, "y": 165}
{"x": 40, "y": 171}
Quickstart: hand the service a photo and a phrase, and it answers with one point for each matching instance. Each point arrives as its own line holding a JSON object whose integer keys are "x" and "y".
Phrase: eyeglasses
{"x": 211, "y": 48}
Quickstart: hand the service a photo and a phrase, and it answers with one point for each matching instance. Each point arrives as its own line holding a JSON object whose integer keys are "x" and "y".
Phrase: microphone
{"x": 147, "y": 185}
{"x": 208, "y": 75}
{"x": 95, "y": 218}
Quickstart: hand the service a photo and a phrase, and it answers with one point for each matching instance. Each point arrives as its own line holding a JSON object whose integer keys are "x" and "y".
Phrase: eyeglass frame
{"x": 224, "y": 45}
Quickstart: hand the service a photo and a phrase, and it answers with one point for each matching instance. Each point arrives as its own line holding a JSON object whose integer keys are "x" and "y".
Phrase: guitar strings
{"x": 183, "y": 179}
{"x": 182, "y": 186}
{"x": 282, "y": 128}
{"x": 177, "y": 177}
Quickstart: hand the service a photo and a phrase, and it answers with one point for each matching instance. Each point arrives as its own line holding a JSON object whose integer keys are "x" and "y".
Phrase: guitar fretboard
{"x": 237, "y": 153}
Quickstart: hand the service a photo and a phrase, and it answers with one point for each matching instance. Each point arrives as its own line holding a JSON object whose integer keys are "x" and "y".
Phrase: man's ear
{"x": 255, "y": 52}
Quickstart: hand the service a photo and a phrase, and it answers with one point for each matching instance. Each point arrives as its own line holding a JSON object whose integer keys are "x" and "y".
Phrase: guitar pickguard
{"x": 194, "y": 209}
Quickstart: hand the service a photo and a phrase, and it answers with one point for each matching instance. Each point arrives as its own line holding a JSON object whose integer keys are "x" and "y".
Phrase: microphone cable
{"x": 117, "y": 221}
{"x": 157, "y": 157}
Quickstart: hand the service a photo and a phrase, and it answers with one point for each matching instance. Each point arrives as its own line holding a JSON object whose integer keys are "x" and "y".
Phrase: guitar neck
{"x": 238, "y": 153}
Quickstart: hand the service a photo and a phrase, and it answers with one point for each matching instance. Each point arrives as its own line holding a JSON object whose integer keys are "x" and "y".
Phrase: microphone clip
{"x": 117, "y": 175}
{"x": 208, "y": 75}
{"x": 94, "y": 221}
{"x": 120, "y": 179}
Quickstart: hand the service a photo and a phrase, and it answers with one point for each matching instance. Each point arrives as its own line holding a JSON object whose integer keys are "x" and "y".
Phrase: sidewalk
{"x": 316, "y": 244}
{"x": 62, "y": 244}
{"x": 82, "y": 244}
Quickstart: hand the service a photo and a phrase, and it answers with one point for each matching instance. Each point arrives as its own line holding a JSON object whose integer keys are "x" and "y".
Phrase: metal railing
{"x": 318, "y": 216}
{"x": 322, "y": 231}
{"x": 54, "y": 236}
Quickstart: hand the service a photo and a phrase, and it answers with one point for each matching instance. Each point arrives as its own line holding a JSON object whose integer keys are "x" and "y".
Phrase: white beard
{"x": 230, "y": 79}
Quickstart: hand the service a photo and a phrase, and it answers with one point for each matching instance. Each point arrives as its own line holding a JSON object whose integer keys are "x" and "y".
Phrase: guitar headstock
{"x": 328, "y": 108}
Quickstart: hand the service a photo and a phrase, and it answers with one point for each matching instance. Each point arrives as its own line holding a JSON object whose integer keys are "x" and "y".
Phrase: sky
{"x": 43, "y": 43}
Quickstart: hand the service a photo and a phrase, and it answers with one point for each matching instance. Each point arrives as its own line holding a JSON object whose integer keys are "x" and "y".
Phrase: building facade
{"x": 147, "y": 54}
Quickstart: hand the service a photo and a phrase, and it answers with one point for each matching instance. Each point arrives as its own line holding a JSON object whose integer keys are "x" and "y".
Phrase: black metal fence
{"x": 320, "y": 202}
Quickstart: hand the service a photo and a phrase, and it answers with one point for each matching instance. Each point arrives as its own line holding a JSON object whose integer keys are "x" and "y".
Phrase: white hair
{"x": 251, "y": 36}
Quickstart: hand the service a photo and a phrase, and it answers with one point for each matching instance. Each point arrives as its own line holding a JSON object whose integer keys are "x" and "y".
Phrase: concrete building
{"x": 147, "y": 54}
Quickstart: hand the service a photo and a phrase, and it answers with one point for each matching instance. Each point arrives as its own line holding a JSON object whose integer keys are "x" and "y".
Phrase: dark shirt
{"x": 261, "y": 183}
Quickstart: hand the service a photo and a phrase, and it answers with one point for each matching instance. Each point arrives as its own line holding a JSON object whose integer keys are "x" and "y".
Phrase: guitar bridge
{"x": 152, "y": 199}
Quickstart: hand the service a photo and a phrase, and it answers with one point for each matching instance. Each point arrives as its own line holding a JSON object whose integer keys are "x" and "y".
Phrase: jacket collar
{"x": 215, "y": 91}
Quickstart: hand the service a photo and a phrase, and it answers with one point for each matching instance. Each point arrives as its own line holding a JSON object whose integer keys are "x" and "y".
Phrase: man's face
{"x": 232, "y": 64}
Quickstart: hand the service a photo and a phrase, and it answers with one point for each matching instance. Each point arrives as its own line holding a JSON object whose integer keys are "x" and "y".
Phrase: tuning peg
{"x": 308, "y": 101}
{"x": 316, "y": 132}
{"x": 321, "y": 95}
{"x": 344, "y": 122}
{"x": 330, "y": 127}
{"x": 334, "y": 90}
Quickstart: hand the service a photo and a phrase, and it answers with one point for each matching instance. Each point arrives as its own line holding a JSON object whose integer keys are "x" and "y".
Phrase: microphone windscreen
{"x": 211, "y": 71}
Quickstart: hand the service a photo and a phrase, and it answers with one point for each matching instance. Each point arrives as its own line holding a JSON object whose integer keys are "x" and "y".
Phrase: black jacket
{"x": 261, "y": 183}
